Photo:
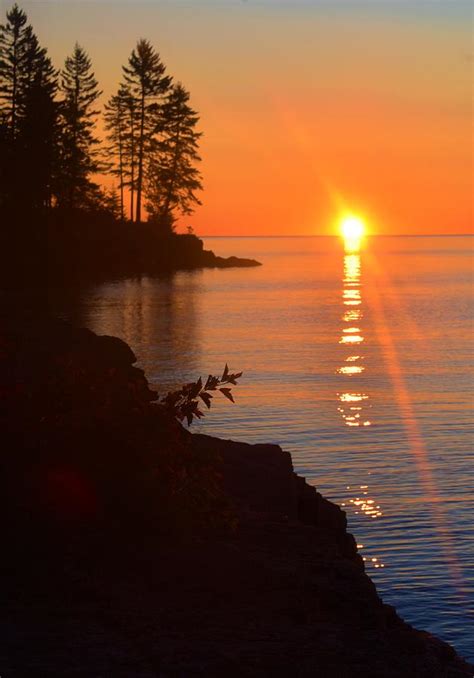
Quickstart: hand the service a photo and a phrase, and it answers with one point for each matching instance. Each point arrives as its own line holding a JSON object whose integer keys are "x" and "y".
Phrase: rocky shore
{"x": 73, "y": 247}
{"x": 135, "y": 548}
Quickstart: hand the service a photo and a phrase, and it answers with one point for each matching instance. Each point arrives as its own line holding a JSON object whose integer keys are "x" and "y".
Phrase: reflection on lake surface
{"x": 158, "y": 318}
{"x": 352, "y": 405}
{"x": 358, "y": 363}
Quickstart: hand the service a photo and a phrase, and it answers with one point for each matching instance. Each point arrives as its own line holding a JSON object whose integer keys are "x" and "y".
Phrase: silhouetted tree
{"x": 38, "y": 128}
{"x": 28, "y": 114}
{"x": 110, "y": 202}
{"x": 4, "y": 156}
{"x": 79, "y": 154}
{"x": 145, "y": 77}
{"x": 122, "y": 123}
{"x": 173, "y": 178}
{"x": 115, "y": 117}
{"x": 131, "y": 148}
{"x": 14, "y": 37}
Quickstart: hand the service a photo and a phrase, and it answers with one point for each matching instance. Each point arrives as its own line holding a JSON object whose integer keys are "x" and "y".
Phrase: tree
{"x": 4, "y": 154}
{"x": 115, "y": 117}
{"x": 147, "y": 83}
{"x": 28, "y": 113}
{"x": 109, "y": 202}
{"x": 122, "y": 123}
{"x": 37, "y": 127}
{"x": 79, "y": 155}
{"x": 14, "y": 37}
{"x": 173, "y": 178}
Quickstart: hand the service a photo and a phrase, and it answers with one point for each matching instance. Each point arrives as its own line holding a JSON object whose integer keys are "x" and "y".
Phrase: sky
{"x": 308, "y": 109}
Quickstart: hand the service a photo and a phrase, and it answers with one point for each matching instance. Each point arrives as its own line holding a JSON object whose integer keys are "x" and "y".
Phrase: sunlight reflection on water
{"x": 334, "y": 404}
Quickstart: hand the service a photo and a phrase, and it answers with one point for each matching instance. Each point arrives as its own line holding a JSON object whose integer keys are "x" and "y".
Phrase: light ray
{"x": 414, "y": 436}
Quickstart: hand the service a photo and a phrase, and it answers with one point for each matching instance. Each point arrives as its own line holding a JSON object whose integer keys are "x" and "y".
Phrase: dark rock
{"x": 113, "y": 352}
{"x": 235, "y": 262}
{"x": 105, "y": 591}
{"x": 258, "y": 477}
{"x": 210, "y": 260}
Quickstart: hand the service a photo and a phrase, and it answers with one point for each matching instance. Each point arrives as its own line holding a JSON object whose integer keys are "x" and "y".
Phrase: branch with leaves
{"x": 185, "y": 403}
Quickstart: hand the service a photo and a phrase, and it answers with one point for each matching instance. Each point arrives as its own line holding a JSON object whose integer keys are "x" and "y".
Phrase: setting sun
{"x": 352, "y": 227}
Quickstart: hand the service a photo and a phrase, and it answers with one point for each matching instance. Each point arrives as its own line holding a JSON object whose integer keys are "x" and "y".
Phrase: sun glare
{"x": 352, "y": 230}
{"x": 352, "y": 227}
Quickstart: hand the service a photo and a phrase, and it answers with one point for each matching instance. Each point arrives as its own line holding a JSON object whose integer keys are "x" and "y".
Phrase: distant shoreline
{"x": 375, "y": 235}
{"x": 75, "y": 246}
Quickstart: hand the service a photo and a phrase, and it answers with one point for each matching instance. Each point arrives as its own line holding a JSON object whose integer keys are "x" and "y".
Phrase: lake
{"x": 360, "y": 365}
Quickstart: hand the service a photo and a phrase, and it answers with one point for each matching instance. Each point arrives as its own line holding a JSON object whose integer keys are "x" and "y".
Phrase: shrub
{"x": 185, "y": 403}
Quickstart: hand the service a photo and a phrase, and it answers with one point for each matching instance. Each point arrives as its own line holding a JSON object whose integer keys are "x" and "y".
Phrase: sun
{"x": 353, "y": 230}
{"x": 352, "y": 227}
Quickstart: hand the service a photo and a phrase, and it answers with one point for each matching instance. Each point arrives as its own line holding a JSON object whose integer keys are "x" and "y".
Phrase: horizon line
{"x": 326, "y": 235}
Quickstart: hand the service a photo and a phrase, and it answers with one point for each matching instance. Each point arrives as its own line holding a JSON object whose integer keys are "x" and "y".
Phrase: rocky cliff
{"x": 138, "y": 549}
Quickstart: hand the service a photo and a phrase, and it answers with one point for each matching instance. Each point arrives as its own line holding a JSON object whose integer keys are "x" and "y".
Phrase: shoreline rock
{"x": 211, "y": 260}
{"x": 103, "y": 591}
{"x": 73, "y": 247}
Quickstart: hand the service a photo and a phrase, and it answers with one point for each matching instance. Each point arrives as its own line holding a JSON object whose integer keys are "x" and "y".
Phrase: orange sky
{"x": 305, "y": 106}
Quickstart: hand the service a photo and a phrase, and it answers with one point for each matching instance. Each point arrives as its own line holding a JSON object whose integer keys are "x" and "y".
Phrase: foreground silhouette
{"x": 138, "y": 549}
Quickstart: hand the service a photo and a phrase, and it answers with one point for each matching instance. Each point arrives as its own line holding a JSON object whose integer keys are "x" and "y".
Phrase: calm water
{"x": 359, "y": 364}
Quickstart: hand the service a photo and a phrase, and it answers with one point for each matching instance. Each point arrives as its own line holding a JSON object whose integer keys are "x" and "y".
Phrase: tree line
{"x": 50, "y": 151}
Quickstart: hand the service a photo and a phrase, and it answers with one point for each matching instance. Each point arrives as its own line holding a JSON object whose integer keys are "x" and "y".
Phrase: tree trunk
{"x": 122, "y": 215}
{"x": 140, "y": 158}
{"x": 172, "y": 182}
{"x": 14, "y": 89}
{"x": 132, "y": 166}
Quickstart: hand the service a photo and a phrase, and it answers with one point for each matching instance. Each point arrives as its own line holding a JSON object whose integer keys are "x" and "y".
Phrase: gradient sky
{"x": 307, "y": 108}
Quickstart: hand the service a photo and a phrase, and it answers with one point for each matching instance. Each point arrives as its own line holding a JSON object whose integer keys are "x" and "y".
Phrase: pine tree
{"x": 131, "y": 148}
{"x": 28, "y": 114}
{"x": 37, "y": 126}
{"x": 14, "y": 37}
{"x": 79, "y": 154}
{"x": 147, "y": 83}
{"x": 115, "y": 117}
{"x": 122, "y": 123}
{"x": 173, "y": 178}
{"x": 111, "y": 203}
{"x": 5, "y": 152}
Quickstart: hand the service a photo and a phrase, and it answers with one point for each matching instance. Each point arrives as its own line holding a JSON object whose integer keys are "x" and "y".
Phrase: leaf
{"x": 206, "y": 398}
{"x": 211, "y": 383}
{"x": 196, "y": 388}
{"x": 184, "y": 404}
{"x": 227, "y": 393}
